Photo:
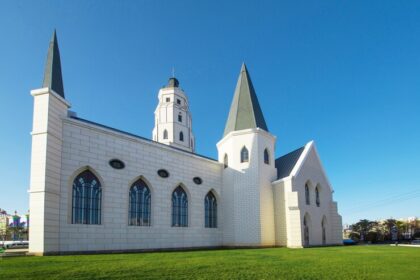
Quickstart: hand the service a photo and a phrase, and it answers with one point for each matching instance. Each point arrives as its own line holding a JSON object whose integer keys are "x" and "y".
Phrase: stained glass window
{"x": 86, "y": 199}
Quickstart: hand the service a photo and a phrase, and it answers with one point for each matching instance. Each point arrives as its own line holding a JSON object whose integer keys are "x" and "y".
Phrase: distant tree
{"x": 388, "y": 225}
{"x": 354, "y": 236}
{"x": 372, "y": 236}
{"x": 363, "y": 227}
{"x": 402, "y": 229}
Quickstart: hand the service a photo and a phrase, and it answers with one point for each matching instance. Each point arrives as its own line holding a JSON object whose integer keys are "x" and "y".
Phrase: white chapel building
{"x": 95, "y": 188}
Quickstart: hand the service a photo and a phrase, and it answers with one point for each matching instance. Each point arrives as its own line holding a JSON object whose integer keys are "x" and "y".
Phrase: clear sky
{"x": 343, "y": 73}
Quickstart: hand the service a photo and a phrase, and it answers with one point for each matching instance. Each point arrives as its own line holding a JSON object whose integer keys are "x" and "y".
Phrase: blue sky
{"x": 343, "y": 73}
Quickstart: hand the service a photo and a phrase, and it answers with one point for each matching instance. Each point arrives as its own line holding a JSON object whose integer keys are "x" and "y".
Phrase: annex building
{"x": 96, "y": 188}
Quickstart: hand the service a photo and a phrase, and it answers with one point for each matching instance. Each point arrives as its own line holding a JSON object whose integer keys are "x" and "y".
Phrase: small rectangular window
{"x": 168, "y": 99}
{"x": 178, "y": 101}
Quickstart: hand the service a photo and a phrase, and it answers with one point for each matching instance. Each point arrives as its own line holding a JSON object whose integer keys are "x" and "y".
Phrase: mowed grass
{"x": 357, "y": 262}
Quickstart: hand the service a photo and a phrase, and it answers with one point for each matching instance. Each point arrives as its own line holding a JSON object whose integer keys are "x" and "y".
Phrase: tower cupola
{"x": 173, "y": 123}
{"x": 173, "y": 82}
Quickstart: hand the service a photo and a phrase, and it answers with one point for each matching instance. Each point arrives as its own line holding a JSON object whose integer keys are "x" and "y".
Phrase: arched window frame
{"x": 140, "y": 203}
{"x": 181, "y": 136}
{"x": 244, "y": 155}
{"x": 307, "y": 195}
{"x": 324, "y": 230}
{"x": 210, "y": 210}
{"x": 179, "y": 207}
{"x": 165, "y": 134}
{"x": 266, "y": 156}
{"x": 306, "y": 229}
{"x": 225, "y": 161}
{"x": 86, "y": 199}
{"x": 317, "y": 196}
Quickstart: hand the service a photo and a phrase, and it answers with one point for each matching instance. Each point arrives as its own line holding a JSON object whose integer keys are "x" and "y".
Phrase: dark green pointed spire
{"x": 52, "y": 76}
{"x": 245, "y": 111}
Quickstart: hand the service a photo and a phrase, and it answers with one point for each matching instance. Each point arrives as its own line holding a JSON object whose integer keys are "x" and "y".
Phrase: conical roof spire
{"x": 245, "y": 111}
{"x": 52, "y": 76}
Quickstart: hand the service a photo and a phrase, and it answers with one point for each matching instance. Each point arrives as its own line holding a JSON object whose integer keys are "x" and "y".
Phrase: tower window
{"x": 168, "y": 99}
{"x": 165, "y": 134}
{"x": 178, "y": 101}
{"x": 181, "y": 136}
{"x": 226, "y": 161}
{"x": 180, "y": 117}
{"x": 244, "y": 155}
{"x": 266, "y": 157}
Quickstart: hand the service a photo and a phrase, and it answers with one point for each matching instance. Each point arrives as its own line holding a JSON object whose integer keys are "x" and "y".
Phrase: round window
{"x": 116, "y": 163}
{"x": 198, "y": 180}
{"x": 163, "y": 173}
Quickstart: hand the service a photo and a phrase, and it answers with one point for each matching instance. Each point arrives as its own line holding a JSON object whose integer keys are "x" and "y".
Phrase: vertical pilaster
{"x": 44, "y": 192}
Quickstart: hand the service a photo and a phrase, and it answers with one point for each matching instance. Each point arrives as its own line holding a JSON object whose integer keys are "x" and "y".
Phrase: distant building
{"x": 96, "y": 188}
{"x": 4, "y": 223}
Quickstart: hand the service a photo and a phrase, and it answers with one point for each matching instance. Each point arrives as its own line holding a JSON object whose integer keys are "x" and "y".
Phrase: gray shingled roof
{"x": 285, "y": 164}
{"x": 245, "y": 111}
{"x": 52, "y": 76}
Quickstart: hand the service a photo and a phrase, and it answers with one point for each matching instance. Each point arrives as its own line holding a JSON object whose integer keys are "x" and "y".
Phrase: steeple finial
{"x": 52, "y": 76}
{"x": 245, "y": 111}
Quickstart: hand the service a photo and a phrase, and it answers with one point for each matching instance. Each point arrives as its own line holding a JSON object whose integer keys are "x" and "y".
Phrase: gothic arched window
{"x": 86, "y": 199}
{"x": 225, "y": 161}
{"x": 165, "y": 134}
{"x": 179, "y": 208}
{"x": 306, "y": 230}
{"x": 181, "y": 136}
{"x": 244, "y": 155}
{"x": 307, "y": 197}
{"x": 210, "y": 211}
{"x": 318, "y": 202}
{"x": 266, "y": 157}
{"x": 139, "y": 211}
{"x": 324, "y": 235}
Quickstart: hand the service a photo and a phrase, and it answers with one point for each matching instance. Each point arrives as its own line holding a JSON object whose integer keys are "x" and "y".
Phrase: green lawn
{"x": 357, "y": 262}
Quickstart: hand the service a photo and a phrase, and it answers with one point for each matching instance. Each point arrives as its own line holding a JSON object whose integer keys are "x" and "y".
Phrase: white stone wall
{"x": 280, "y": 212}
{"x": 90, "y": 146}
{"x": 254, "y": 209}
{"x": 312, "y": 172}
{"x": 44, "y": 191}
{"x": 247, "y": 192}
{"x": 288, "y": 214}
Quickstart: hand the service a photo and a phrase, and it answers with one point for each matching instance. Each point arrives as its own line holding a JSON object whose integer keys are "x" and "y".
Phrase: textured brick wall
{"x": 89, "y": 146}
{"x": 247, "y": 192}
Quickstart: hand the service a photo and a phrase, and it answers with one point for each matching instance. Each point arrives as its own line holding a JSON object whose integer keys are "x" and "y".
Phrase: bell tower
{"x": 173, "y": 123}
{"x": 247, "y": 152}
